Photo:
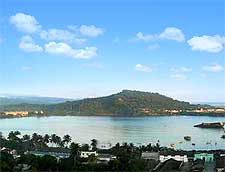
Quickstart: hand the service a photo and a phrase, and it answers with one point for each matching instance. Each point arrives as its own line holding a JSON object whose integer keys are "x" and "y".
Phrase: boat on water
{"x": 187, "y": 138}
{"x": 180, "y": 142}
{"x": 172, "y": 145}
{"x": 210, "y": 125}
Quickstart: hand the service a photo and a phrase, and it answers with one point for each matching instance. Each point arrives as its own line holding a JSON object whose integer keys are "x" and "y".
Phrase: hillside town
{"x": 34, "y": 153}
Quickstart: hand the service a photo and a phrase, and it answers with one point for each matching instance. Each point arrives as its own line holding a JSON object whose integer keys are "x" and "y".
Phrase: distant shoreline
{"x": 116, "y": 115}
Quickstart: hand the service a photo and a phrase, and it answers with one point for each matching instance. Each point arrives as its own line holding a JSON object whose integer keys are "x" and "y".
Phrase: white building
{"x": 105, "y": 157}
{"x": 182, "y": 158}
{"x": 86, "y": 154}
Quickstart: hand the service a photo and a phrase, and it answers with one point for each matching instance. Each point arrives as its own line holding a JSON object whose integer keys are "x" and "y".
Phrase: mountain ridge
{"x": 126, "y": 102}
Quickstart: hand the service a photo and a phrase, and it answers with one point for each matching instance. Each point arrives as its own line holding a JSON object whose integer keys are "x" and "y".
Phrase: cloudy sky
{"x": 86, "y": 48}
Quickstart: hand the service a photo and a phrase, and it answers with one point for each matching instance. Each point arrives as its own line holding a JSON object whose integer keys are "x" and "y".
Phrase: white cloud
{"x": 141, "y": 36}
{"x": 178, "y": 76}
{"x": 57, "y": 34}
{"x": 91, "y": 30}
{"x": 60, "y": 35}
{"x": 27, "y": 44}
{"x": 213, "y": 68}
{"x": 142, "y": 68}
{"x": 25, "y": 23}
{"x": 170, "y": 33}
{"x": 65, "y": 50}
{"x": 212, "y": 44}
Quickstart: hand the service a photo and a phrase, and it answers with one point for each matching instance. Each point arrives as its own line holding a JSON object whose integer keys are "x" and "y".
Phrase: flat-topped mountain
{"x": 126, "y": 102}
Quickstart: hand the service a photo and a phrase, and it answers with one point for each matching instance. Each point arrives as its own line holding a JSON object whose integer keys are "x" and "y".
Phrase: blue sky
{"x": 79, "y": 49}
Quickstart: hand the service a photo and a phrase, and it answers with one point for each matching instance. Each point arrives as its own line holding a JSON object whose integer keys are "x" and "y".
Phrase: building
{"x": 17, "y": 113}
{"x": 220, "y": 164}
{"x": 182, "y": 158}
{"x": 105, "y": 157}
{"x": 150, "y": 156}
{"x": 169, "y": 165}
{"x": 207, "y": 157}
{"x": 86, "y": 154}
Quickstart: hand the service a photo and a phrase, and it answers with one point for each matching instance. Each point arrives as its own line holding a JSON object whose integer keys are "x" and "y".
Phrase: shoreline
{"x": 116, "y": 115}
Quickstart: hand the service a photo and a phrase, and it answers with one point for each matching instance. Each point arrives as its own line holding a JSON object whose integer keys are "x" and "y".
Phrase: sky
{"x": 90, "y": 48}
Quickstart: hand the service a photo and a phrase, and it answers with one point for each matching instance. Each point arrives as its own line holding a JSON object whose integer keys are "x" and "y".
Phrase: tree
{"x": 53, "y": 139}
{"x": 67, "y": 139}
{"x": 26, "y": 138}
{"x": 47, "y": 163}
{"x": 85, "y": 147}
{"x": 46, "y": 138}
{"x": 94, "y": 143}
{"x": 34, "y": 137}
{"x": 74, "y": 149}
{"x": 58, "y": 141}
{"x": 13, "y": 136}
{"x": 92, "y": 158}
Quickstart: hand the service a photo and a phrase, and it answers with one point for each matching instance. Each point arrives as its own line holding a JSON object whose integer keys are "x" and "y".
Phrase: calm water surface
{"x": 138, "y": 130}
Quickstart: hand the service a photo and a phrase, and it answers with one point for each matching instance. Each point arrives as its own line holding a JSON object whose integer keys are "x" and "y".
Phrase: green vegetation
{"x": 124, "y": 103}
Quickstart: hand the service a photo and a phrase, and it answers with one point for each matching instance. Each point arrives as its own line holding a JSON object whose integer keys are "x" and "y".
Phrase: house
{"x": 168, "y": 165}
{"x": 207, "y": 157}
{"x": 86, "y": 154}
{"x": 13, "y": 152}
{"x": 105, "y": 157}
{"x": 181, "y": 158}
{"x": 220, "y": 164}
{"x": 150, "y": 156}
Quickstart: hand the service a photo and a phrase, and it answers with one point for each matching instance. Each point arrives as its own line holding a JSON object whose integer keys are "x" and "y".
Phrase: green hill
{"x": 126, "y": 102}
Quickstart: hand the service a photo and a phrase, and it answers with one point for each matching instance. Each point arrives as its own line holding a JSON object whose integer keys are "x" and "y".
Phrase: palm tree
{"x": 53, "y": 138}
{"x": 13, "y": 136}
{"x": 26, "y": 138}
{"x": 46, "y": 138}
{"x": 94, "y": 143}
{"x": 56, "y": 140}
{"x": 67, "y": 139}
{"x": 34, "y": 138}
{"x": 85, "y": 147}
{"x": 74, "y": 150}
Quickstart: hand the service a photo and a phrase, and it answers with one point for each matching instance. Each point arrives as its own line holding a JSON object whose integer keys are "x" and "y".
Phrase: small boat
{"x": 172, "y": 145}
{"x": 187, "y": 138}
{"x": 180, "y": 142}
{"x": 193, "y": 144}
{"x": 210, "y": 125}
